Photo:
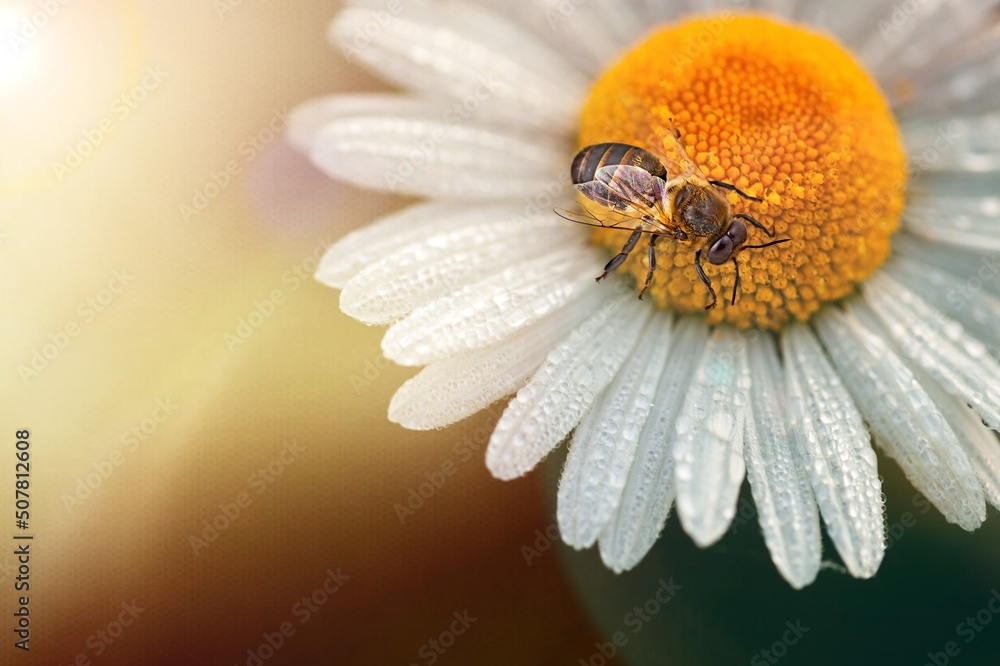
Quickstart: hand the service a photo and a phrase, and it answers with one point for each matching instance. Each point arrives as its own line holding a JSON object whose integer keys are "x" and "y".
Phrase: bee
{"x": 664, "y": 197}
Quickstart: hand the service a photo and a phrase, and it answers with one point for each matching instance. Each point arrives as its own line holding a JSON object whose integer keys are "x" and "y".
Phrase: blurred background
{"x": 213, "y": 477}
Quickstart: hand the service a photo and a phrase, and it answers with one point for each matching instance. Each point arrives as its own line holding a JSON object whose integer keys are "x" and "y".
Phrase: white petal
{"x": 979, "y": 442}
{"x": 493, "y": 68}
{"x": 959, "y": 144}
{"x": 564, "y": 388}
{"x": 976, "y": 309}
{"x": 783, "y": 8}
{"x": 786, "y": 507}
{"x": 650, "y": 490}
{"x": 432, "y": 158}
{"x": 852, "y": 28}
{"x": 904, "y": 419}
{"x": 442, "y": 263}
{"x": 708, "y": 449}
{"x": 960, "y": 363}
{"x": 969, "y": 223}
{"x": 834, "y": 445}
{"x": 594, "y": 32}
{"x": 979, "y": 270}
{"x": 908, "y": 37}
{"x": 604, "y": 444}
{"x": 455, "y": 388}
{"x": 348, "y": 256}
{"x": 967, "y": 79}
{"x": 309, "y": 118}
{"x": 488, "y": 311}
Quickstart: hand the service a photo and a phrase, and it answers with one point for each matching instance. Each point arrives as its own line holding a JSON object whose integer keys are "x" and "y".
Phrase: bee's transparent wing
{"x": 625, "y": 188}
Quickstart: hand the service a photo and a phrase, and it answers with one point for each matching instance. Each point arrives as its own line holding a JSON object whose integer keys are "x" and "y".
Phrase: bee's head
{"x": 725, "y": 247}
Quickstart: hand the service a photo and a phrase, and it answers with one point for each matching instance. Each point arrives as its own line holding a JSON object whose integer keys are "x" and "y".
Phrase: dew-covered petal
{"x": 554, "y": 400}
{"x": 708, "y": 445}
{"x": 836, "y": 451}
{"x": 956, "y": 144}
{"x": 778, "y": 479}
{"x": 964, "y": 300}
{"x": 486, "y": 312}
{"x": 442, "y": 263}
{"x": 981, "y": 270}
{"x": 650, "y": 489}
{"x": 853, "y": 27}
{"x": 595, "y": 33}
{"x": 956, "y": 360}
{"x": 450, "y": 390}
{"x": 967, "y": 77}
{"x": 966, "y": 222}
{"x": 604, "y": 444}
{"x": 433, "y": 158}
{"x": 906, "y": 37}
{"x": 308, "y": 119}
{"x": 348, "y": 256}
{"x": 979, "y": 442}
{"x": 490, "y": 67}
{"x": 904, "y": 419}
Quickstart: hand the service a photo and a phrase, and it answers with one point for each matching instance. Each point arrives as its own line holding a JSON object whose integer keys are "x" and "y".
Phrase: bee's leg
{"x": 704, "y": 279}
{"x": 733, "y": 188}
{"x": 652, "y": 264}
{"x": 736, "y": 285}
{"x": 752, "y": 220}
{"x": 620, "y": 258}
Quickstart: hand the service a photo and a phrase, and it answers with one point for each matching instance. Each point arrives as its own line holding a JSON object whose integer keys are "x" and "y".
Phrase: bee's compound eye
{"x": 721, "y": 250}
{"x": 738, "y": 232}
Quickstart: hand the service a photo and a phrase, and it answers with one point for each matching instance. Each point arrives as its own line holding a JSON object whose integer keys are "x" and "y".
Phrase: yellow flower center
{"x": 783, "y": 114}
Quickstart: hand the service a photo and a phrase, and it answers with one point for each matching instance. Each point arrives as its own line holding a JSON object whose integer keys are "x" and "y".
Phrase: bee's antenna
{"x": 752, "y": 220}
{"x": 761, "y": 247}
{"x": 736, "y": 284}
{"x": 733, "y": 188}
{"x": 569, "y": 216}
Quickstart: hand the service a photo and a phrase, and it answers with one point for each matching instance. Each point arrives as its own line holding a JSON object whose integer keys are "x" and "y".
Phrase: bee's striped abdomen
{"x": 590, "y": 159}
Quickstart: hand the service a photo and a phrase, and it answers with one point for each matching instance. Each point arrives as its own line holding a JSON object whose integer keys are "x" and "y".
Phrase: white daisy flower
{"x": 872, "y": 324}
